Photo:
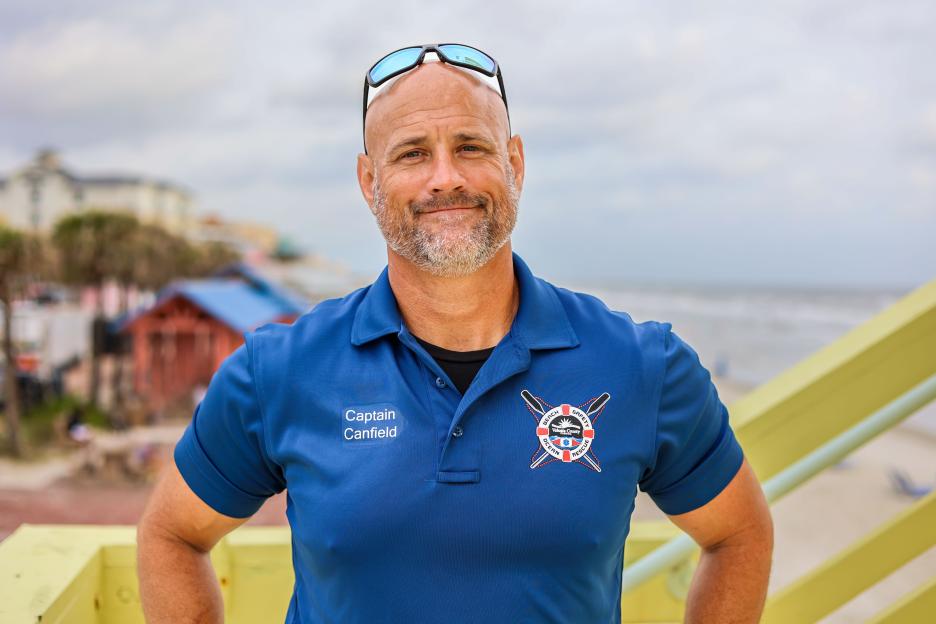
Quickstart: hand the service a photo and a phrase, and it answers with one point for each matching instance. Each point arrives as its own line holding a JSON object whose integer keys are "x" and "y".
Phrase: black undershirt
{"x": 460, "y": 366}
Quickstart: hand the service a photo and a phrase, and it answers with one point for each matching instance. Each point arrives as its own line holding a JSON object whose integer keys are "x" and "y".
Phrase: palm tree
{"x": 160, "y": 257}
{"x": 125, "y": 268}
{"x": 13, "y": 252}
{"x": 92, "y": 248}
{"x": 149, "y": 257}
{"x": 211, "y": 256}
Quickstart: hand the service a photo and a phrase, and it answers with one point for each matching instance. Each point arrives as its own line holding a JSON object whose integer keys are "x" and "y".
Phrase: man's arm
{"x": 735, "y": 532}
{"x": 177, "y": 582}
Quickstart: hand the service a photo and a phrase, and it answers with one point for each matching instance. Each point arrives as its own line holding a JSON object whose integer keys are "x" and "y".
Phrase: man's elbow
{"x": 153, "y": 535}
{"x": 762, "y": 527}
{"x": 755, "y": 537}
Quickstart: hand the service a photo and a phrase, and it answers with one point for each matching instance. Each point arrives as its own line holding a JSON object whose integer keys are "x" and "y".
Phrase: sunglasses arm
{"x": 364, "y": 117}
{"x": 500, "y": 82}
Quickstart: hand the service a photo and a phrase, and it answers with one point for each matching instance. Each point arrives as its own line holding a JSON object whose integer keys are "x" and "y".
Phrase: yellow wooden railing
{"x": 815, "y": 402}
{"x": 86, "y": 575}
{"x": 917, "y": 606}
{"x": 820, "y": 400}
{"x": 860, "y": 566}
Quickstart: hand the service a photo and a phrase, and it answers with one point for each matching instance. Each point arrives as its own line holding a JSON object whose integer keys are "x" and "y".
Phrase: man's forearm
{"x": 730, "y": 584}
{"x": 177, "y": 583}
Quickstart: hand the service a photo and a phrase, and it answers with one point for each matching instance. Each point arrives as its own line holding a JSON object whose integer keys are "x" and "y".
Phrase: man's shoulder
{"x": 591, "y": 318}
{"x": 329, "y": 321}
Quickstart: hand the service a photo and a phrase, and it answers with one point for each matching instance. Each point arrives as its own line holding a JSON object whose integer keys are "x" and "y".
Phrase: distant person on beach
{"x": 78, "y": 431}
{"x": 461, "y": 441}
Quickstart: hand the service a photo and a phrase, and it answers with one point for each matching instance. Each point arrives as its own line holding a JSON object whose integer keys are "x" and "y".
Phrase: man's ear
{"x": 515, "y": 156}
{"x": 365, "y": 176}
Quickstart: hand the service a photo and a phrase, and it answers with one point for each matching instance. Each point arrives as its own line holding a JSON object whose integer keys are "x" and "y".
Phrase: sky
{"x": 716, "y": 143}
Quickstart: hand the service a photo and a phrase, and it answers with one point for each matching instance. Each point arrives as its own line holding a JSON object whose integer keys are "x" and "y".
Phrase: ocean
{"x": 749, "y": 335}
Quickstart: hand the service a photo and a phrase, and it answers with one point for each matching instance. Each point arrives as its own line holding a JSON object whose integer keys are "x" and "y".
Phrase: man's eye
{"x": 411, "y": 154}
{"x": 471, "y": 148}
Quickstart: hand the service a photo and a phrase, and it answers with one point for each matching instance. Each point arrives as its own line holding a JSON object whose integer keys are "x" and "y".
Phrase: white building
{"x": 39, "y": 194}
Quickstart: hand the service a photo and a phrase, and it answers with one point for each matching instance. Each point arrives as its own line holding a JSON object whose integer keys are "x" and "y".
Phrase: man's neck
{"x": 457, "y": 313}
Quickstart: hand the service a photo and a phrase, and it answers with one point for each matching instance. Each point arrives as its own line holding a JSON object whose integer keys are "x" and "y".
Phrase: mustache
{"x": 446, "y": 201}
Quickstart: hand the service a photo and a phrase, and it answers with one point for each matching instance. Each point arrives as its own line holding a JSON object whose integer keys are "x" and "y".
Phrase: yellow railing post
{"x": 917, "y": 606}
{"x": 838, "y": 386}
{"x": 87, "y": 575}
{"x": 857, "y": 568}
{"x": 831, "y": 391}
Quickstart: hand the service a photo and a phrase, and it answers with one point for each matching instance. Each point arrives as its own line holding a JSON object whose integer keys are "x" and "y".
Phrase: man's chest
{"x": 537, "y": 466}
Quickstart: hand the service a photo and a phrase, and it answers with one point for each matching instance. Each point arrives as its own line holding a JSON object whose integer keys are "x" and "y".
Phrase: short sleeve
{"x": 222, "y": 454}
{"x": 696, "y": 454}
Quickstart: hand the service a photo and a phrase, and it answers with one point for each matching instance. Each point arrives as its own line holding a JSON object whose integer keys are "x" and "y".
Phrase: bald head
{"x": 433, "y": 95}
{"x": 441, "y": 175}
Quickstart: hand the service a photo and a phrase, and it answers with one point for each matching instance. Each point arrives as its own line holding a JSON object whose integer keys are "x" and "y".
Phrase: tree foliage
{"x": 97, "y": 246}
{"x": 14, "y": 248}
{"x": 13, "y": 245}
{"x": 92, "y": 245}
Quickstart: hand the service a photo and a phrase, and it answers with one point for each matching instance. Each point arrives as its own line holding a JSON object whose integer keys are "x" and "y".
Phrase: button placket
{"x": 458, "y": 454}
{"x": 443, "y": 405}
{"x": 459, "y": 458}
{"x": 442, "y": 402}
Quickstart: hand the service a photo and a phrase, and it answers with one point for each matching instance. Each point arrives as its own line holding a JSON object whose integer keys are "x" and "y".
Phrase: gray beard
{"x": 449, "y": 256}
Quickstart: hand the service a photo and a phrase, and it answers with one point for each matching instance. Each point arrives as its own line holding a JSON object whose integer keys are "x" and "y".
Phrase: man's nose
{"x": 446, "y": 175}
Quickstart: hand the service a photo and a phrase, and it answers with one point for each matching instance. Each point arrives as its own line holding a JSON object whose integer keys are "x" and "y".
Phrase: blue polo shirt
{"x": 409, "y": 502}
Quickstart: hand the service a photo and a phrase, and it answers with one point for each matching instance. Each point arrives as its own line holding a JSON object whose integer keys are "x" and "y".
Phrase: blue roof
{"x": 238, "y": 305}
{"x": 289, "y": 299}
{"x": 238, "y": 296}
{"x": 234, "y": 303}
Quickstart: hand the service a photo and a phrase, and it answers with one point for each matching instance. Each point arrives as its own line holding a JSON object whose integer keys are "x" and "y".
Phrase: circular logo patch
{"x": 565, "y": 432}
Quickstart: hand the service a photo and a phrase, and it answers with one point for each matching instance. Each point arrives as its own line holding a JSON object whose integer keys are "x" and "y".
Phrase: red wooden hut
{"x": 181, "y": 339}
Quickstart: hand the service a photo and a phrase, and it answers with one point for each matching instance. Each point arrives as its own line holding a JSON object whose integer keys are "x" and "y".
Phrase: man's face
{"x": 441, "y": 177}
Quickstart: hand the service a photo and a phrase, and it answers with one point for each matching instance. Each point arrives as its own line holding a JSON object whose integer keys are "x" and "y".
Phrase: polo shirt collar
{"x": 378, "y": 314}
{"x": 541, "y": 321}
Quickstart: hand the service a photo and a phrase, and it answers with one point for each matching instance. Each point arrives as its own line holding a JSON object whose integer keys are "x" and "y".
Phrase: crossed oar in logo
{"x": 564, "y": 411}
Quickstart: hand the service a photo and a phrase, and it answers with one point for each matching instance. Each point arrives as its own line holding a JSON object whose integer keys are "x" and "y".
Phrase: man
{"x": 461, "y": 441}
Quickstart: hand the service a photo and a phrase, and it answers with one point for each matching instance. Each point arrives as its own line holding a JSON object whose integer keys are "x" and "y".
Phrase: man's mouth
{"x": 449, "y": 208}
{"x": 457, "y": 202}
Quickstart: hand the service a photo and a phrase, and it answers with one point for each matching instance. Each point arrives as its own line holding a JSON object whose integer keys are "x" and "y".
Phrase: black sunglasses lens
{"x": 393, "y": 63}
{"x": 469, "y": 56}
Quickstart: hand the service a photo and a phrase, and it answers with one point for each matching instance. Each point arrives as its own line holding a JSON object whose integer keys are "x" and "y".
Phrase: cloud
{"x": 760, "y": 128}
{"x": 109, "y": 74}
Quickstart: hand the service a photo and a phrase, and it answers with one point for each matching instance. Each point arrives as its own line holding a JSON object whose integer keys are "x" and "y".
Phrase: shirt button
{"x": 457, "y": 432}
{"x": 440, "y": 382}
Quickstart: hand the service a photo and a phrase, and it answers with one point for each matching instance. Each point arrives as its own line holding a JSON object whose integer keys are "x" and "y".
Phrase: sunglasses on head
{"x": 403, "y": 60}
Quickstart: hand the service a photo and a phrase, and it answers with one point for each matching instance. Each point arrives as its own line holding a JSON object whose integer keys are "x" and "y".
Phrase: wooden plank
{"x": 656, "y": 600}
{"x": 837, "y": 387}
{"x": 858, "y": 567}
{"x": 53, "y": 574}
{"x": 261, "y": 575}
{"x": 826, "y": 394}
{"x": 917, "y": 606}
